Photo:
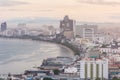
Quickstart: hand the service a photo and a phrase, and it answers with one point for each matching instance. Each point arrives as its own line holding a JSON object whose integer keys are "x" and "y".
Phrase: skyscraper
{"x": 3, "y": 26}
{"x": 66, "y": 26}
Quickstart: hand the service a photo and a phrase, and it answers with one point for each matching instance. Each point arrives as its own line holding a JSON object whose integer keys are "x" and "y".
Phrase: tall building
{"x": 66, "y": 26}
{"x": 3, "y": 26}
{"x": 92, "y": 69}
{"x": 86, "y": 31}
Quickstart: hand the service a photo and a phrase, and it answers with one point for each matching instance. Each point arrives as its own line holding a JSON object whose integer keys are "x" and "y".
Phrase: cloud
{"x": 115, "y": 17}
{"x": 101, "y": 2}
{"x": 4, "y": 3}
{"x": 41, "y": 10}
{"x": 46, "y": 10}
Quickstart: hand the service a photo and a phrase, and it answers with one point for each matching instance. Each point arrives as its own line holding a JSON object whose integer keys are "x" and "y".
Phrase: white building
{"x": 103, "y": 38}
{"x": 86, "y": 31}
{"x": 92, "y": 69}
{"x": 114, "y": 57}
{"x": 110, "y": 50}
{"x": 71, "y": 70}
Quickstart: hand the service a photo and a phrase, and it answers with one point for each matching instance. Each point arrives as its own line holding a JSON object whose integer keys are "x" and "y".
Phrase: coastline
{"x": 67, "y": 48}
{"x": 30, "y": 65}
{"x": 60, "y": 44}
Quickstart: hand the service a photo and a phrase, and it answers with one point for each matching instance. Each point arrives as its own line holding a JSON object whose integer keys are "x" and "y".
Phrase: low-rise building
{"x": 110, "y": 50}
{"x": 71, "y": 70}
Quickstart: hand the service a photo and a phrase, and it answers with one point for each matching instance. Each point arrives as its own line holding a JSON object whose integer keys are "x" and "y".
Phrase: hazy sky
{"x": 81, "y": 10}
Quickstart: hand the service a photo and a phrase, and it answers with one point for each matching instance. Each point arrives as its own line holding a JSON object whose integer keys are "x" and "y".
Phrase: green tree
{"x": 46, "y": 78}
{"x": 104, "y": 46}
{"x": 97, "y": 79}
{"x": 104, "y": 53}
{"x": 115, "y": 78}
{"x": 56, "y": 71}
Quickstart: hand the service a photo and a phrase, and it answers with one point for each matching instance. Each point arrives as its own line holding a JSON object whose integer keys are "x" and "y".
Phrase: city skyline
{"x": 59, "y": 39}
{"x": 80, "y": 10}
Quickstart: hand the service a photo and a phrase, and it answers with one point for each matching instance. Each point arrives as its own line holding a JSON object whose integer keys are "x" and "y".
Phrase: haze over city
{"x": 60, "y": 40}
{"x": 80, "y": 10}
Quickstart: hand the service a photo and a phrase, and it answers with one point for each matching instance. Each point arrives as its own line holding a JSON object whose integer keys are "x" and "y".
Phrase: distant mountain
{"x": 55, "y": 22}
{"x": 33, "y": 20}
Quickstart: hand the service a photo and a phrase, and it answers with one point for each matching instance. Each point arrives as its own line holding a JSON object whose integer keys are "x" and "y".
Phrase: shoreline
{"x": 61, "y": 45}
{"x": 71, "y": 52}
{"x": 67, "y": 48}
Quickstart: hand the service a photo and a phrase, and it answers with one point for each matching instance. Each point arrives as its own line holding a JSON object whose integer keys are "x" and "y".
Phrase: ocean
{"x": 17, "y": 55}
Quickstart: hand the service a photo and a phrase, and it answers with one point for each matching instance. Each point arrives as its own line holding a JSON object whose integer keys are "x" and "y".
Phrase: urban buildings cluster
{"x": 98, "y": 58}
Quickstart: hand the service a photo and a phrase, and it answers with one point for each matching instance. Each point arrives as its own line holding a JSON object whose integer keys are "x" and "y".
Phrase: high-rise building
{"x": 92, "y": 69}
{"x": 66, "y": 26}
{"x": 86, "y": 31}
{"x": 3, "y": 26}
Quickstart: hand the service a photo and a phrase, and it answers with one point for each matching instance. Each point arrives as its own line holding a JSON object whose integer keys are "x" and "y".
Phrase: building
{"x": 114, "y": 72}
{"x": 104, "y": 38}
{"x": 3, "y": 26}
{"x": 86, "y": 31}
{"x": 110, "y": 50}
{"x": 56, "y": 63}
{"x": 66, "y": 27}
{"x": 71, "y": 70}
{"x": 114, "y": 57}
{"x": 93, "y": 68}
{"x": 22, "y": 25}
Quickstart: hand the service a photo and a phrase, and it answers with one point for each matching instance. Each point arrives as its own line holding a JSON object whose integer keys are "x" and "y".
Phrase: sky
{"x": 80, "y": 10}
